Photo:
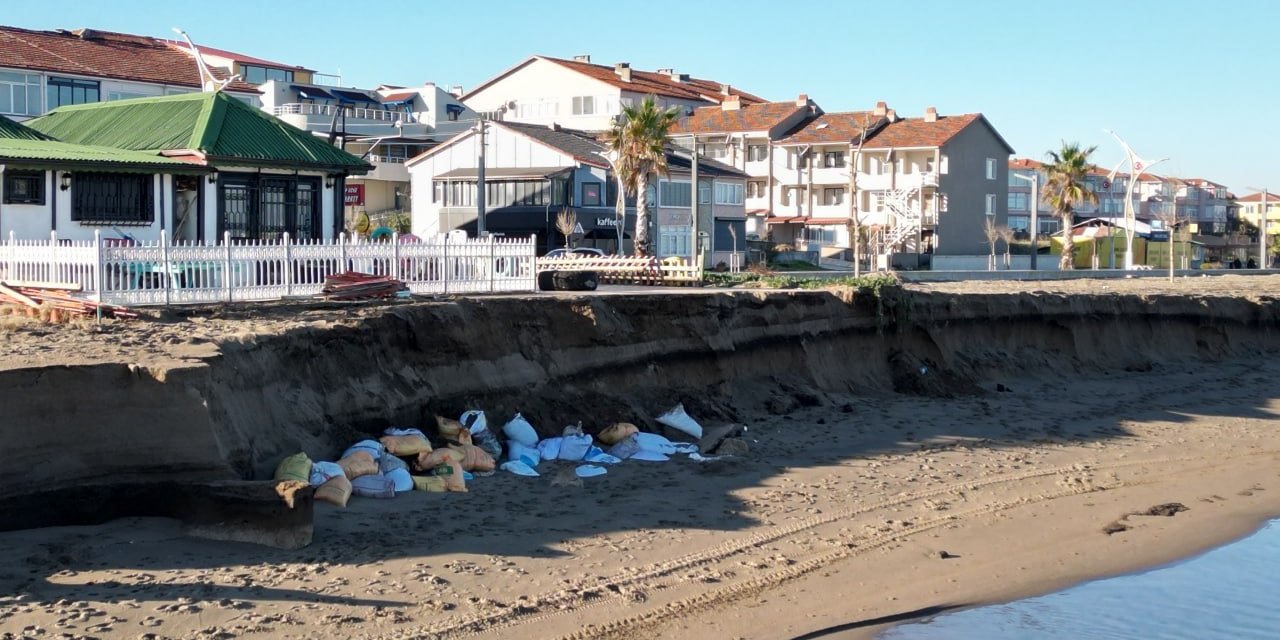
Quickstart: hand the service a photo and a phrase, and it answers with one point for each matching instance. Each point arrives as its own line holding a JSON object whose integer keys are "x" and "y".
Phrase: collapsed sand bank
{"x": 857, "y": 460}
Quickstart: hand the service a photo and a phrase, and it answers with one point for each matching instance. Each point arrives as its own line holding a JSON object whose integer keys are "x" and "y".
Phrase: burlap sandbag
{"x": 449, "y": 429}
{"x": 429, "y": 460}
{"x": 359, "y": 463}
{"x": 406, "y": 445}
{"x": 474, "y": 458}
{"x": 296, "y": 467}
{"x": 616, "y": 432}
{"x": 433, "y": 484}
{"x": 337, "y": 491}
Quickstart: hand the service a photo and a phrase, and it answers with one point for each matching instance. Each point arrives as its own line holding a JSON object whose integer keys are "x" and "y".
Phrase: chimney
{"x": 931, "y": 114}
{"x": 732, "y": 103}
{"x": 456, "y": 90}
{"x": 586, "y": 57}
{"x": 881, "y": 109}
{"x": 623, "y": 69}
{"x": 891, "y": 115}
{"x": 725, "y": 89}
{"x": 666, "y": 72}
{"x": 87, "y": 34}
{"x": 680, "y": 77}
{"x": 802, "y": 100}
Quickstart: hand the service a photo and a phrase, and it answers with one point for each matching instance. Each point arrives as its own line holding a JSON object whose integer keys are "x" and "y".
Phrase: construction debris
{"x": 353, "y": 285}
{"x": 59, "y": 301}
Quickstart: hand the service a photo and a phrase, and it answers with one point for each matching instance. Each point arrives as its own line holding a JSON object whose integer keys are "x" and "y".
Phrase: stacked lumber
{"x": 353, "y": 285}
{"x": 58, "y": 300}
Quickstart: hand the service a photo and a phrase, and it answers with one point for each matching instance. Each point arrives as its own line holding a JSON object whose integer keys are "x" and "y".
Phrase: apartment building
{"x": 925, "y": 185}
{"x": 578, "y": 94}
{"x": 43, "y": 70}
{"x": 1250, "y": 209}
{"x": 387, "y": 125}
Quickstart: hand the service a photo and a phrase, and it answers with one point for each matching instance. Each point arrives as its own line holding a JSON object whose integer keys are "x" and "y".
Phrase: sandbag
{"x": 474, "y": 458}
{"x": 519, "y": 430}
{"x": 429, "y": 460}
{"x": 401, "y": 479}
{"x": 549, "y": 449}
{"x": 359, "y": 463}
{"x": 322, "y": 472}
{"x": 337, "y": 491}
{"x": 451, "y": 474}
{"x": 481, "y": 436}
{"x": 374, "y": 486}
{"x": 616, "y": 432}
{"x": 677, "y": 419}
{"x": 434, "y": 484}
{"x": 374, "y": 448}
{"x": 296, "y": 467}
{"x": 448, "y": 428}
{"x": 625, "y": 448}
{"x": 573, "y": 448}
{"x": 527, "y": 455}
{"x": 405, "y": 442}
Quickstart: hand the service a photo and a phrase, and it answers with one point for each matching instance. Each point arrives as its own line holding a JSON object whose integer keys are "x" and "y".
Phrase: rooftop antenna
{"x": 208, "y": 82}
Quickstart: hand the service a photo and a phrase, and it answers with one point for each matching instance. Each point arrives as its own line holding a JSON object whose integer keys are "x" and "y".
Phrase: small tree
{"x": 992, "y": 232}
{"x": 1006, "y": 235}
{"x": 566, "y": 222}
{"x": 1168, "y": 216}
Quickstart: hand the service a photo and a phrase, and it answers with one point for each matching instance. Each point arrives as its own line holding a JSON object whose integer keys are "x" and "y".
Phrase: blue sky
{"x": 1193, "y": 81}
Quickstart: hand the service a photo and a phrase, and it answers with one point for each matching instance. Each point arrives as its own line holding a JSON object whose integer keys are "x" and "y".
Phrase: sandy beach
{"x": 849, "y": 511}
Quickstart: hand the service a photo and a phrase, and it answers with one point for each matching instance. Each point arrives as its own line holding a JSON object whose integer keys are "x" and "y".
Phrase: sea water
{"x": 1230, "y": 592}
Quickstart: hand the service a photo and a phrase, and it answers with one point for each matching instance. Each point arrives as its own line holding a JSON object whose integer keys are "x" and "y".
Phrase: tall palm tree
{"x": 638, "y": 140}
{"x": 1065, "y": 188}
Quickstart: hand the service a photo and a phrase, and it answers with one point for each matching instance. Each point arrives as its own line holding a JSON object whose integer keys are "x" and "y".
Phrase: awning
{"x": 352, "y": 96}
{"x": 782, "y": 220}
{"x": 504, "y": 173}
{"x": 757, "y": 212}
{"x": 312, "y": 93}
{"x": 399, "y": 97}
{"x": 399, "y": 140}
{"x": 454, "y": 108}
{"x": 825, "y": 221}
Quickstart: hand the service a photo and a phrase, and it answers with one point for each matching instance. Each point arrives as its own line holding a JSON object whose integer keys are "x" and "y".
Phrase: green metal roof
{"x": 10, "y": 130}
{"x": 224, "y": 129}
{"x": 48, "y": 154}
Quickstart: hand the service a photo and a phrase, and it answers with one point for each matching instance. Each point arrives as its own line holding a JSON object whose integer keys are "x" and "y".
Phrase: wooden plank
{"x": 18, "y": 296}
{"x": 36, "y": 284}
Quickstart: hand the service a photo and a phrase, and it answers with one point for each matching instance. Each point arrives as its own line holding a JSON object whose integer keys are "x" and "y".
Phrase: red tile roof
{"x": 396, "y": 96}
{"x": 750, "y": 117}
{"x": 1024, "y": 163}
{"x": 103, "y": 54}
{"x": 1272, "y": 198}
{"x": 915, "y": 132}
{"x": 239, "y": 57}
{"x": 837, "y": 128}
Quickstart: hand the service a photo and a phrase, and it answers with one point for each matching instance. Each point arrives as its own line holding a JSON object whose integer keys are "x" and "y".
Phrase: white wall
{"x": 543, "y": 80}
{"x": 35, "y": 222}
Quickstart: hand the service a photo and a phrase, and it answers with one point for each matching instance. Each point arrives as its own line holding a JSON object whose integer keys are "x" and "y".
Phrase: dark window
{"x": 112, "y": 198}
{"x": 23, "y": 187}
{"x": 558, "y": 188}
{"x": 757, "y": 152}
{"x": 833, "y": 159}
{"x": 266, "y": 207}
{"x": 257, "y": 75}
{"x": 591, "y": 194}
{"x": 64, "y": 91}
{"x": 611, "y": 193}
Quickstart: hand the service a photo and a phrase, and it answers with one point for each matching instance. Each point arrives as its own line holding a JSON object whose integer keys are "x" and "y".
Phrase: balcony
{"x": 327, "y": 110}
{"x": 388, "y": 168}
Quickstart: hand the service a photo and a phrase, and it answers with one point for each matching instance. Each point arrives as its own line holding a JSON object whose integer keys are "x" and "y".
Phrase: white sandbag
{"x": 527, "y": 455}
{"x": 597, "y": 455}
{"x": 375, "y": 486}
{"x": 649, "y": 456}
{"x": 549, "y": 449}
{"x": 321, "y": 472}
{"x": 574, "y": 448}
{"x": 519, "y": 430}
{"x": 474, "y": 421}
{"x": 401, "y": 479}
{"x": 625, "y": 448}
{"x": 403, "y": 432}
{"x": 519, "y": 468}
{"x": 374, "y": 448}
{"x": 677, "y": 419}
{"x": 655, "y": 442}
{"x": 590, "y": 471}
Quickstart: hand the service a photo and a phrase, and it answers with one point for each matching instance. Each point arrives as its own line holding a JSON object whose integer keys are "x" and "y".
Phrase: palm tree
{"x": 1065, "y": 188}
{"x": 638, "y": 140}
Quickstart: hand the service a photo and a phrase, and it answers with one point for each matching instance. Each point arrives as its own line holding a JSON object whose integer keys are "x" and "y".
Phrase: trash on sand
{"x": 590, "y": 471}
{"x": 698, "y": 457}
{"x": 521, "y": 431}
{"x": 519, "y": 468}
{"x": 321, "y": 472}
{"x": 655, "y": 442}
{"x": 359, "y": 463}
{"x": 296, "y": 467}
{"x": 405, "y": 442}
{"x": 574, "y": 448}
{"x": 519, "y": 452}
{"x": 337, "y": 491}
{"x": 549, "y": 449}
{"x": 649, "y": 456}
{"x": 573, "y": 430}
{"x": 595, "y": 454}
{"x": 677, "y": 419}
{"x": 353, "y": 285}
{"x": 374, "y": 486}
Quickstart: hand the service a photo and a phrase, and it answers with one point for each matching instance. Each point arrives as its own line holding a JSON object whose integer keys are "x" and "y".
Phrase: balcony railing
{"x": 387, "y": 159}
{"x": 307, "y": 109}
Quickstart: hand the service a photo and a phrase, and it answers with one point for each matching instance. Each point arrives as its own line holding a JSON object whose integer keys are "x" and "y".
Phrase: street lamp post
{"x": 1136, "y": 166}
{"x": 1034, "y": 179}
{"x": 1263, "y": 263}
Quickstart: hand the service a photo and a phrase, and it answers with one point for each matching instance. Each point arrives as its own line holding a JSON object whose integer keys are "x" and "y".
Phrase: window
{"x": 23, "y": 187}
{"x": 704, "y": 192}
{"x": 265, "y": 207}
{"x": 1017, "y": 201}
{"x": 833, "y": 196}
{"x": 716, "y": 151}
{"x": 584, "y": 105}
{"x": 928, "y": 164}
{"x": 728, "y": 193}
{"x": 824, "y": 235}
{"x": 755, "y": 189}
{"x": 19, "y": 93}
{"x": 757, "y": 153}
{"x": 1020, "y": 224}
{"x": 833, "y": 159}
{"x": 991, "y": 204}
{"x": 877, "y": 201}
{"x": 673, "y": 240}
{"x": 64, "y": 91}
{"x": 559, "y": 187}
{"x": 591, "y": 196}
{"x": 792, "y": 194}
{"x": 254, "y": 74}
{"x": 437, "y": 191}
{"x": 125, "y": 95}
{"x": 943, "y": 167}
{"x": 991, "y": 168}
{"x": 943, "y": 201}
{"x": 112, "y": 198}
{"x": 674, "y": 193}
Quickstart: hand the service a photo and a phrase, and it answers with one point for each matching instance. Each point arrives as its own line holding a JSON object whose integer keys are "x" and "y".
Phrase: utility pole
{"x": 693, "y": 219}
{"x": 1262, "y": 233}
{"x": 480, "y": 189}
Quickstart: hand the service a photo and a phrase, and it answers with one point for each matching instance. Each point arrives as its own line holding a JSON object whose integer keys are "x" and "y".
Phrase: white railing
{"x": 165, "y": 274}
{"x": 387, "y": 159}
{"x": 306, "y": 109}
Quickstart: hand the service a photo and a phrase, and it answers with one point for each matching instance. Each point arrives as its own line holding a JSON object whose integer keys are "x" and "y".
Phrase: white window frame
{"x": 992, "y": 171}
{"x": 839, "y": 193}
{"x": 729, "y": 193}
{"x": 991, "y": 204}
{"x": 30, "y": 80}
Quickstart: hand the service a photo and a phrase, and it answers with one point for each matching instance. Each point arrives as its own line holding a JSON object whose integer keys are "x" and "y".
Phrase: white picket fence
{"x": 136, "y": 274}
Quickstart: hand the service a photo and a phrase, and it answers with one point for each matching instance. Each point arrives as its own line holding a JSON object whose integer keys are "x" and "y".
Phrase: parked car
{"x": 580, "y": 252}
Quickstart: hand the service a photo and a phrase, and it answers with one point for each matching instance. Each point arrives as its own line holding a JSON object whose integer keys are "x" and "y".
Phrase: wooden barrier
{"x": 628, "y": 269}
